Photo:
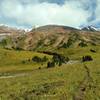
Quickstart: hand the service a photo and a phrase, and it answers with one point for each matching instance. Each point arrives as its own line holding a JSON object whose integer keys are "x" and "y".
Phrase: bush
{"x": 59, "y": 59}
{"x": 18, "y": 48}
{"x": 64, "y": 45}
{"x": 23, "y": 62}
{"x": 86, "y": 58}
{"x": 44, "y": 59}
{"x": 50, "y": 64}
{"x": 38, "y": 59}
{"x": 82, "y": 44}
{"x": 4, "y": 42}
{"x": 39, "y": 68}
{"x": 94, "y": 51}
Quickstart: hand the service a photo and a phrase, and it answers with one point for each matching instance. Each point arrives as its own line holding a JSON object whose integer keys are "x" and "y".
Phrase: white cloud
{"x": 96, "y": 14}
{"x": 97, "y": 11}
{"x": 71, "y": 13}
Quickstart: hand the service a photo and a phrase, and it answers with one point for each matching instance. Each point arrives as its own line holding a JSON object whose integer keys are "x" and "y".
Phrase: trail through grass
{"x": 71, "y": 81}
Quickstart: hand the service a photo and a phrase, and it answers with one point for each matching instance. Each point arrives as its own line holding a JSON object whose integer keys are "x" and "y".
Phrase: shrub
{"x": 94, "y": 51}
{"x": 38, "y": 59}
{"x": 29, "y": 60}
{"x": 4, "y": 42}
{"x": 82, "y": 44}
{"x": 18, "y": 48}
{"x": 50, "y": 64}
{"x": 86, "y": 58}
{"x": 64, "y": 45}
{"x": 39, "y": 68}
{"x": 23, "y": 62}
{"x": 69, "y": 43}
{"x": 59, "y": 59}
{"x": 44, "y": 59}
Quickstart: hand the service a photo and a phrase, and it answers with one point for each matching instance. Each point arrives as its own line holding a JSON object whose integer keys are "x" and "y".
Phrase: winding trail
{"x": 14, "y": 75}
{"x": 86, "y": 84}
{"x": 8, "y": 75}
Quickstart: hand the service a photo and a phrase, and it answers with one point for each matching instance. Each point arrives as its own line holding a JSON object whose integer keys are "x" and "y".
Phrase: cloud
{"x": 97, "y": 10}
{"x": 29, "y": 13}
{"x": 96, "y": 14}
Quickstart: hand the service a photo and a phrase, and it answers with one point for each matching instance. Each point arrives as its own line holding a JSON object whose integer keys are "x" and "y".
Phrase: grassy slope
{"x": 11, "y": 60}
{"x": 59, "y": 83}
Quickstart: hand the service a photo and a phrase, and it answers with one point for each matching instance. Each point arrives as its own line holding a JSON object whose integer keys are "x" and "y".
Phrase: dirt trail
{"x": 86, "y": 84}
{"x": 17, "y": 74}
{"x": 26, "y": 73}
{"x": 72, "y": 62}
{"x": 13, "y": 76}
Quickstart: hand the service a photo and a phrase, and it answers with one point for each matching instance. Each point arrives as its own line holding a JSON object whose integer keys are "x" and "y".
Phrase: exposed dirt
{"x": 13, "y": 76}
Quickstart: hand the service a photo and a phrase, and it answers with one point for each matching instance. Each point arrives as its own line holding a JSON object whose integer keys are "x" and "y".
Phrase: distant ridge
{"x": 90, "y": 28}
{"x": 53, "y": 37}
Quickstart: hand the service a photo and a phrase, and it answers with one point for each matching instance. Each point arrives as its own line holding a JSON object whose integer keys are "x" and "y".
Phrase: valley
{"x": 50, "y": 63}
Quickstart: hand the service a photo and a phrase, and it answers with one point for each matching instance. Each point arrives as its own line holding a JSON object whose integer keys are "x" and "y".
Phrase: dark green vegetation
{"x": 57, "y": 59}
{"x": 62, "y": 64}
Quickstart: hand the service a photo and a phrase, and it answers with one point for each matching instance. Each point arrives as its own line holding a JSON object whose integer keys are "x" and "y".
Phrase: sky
{"x": 30, "y": 13}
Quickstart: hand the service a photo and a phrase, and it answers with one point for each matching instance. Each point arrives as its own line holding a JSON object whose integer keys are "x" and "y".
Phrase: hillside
{"x": 10, "y": 30}
{"x": 55, "y": 36}
{"x": 50, "y": 37}
{"x": 24, "y": 79}
{"x": 6, "y": 31}
{"x": 8, "y": 35}
{"x": 50, "y": 63}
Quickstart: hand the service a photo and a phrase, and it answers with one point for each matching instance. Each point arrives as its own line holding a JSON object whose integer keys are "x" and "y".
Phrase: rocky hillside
{"x": 8, "y": 35}
{"x": 55, "y": 36}
{"x": 9, "y": 30}
{"x": 60, "y": 37}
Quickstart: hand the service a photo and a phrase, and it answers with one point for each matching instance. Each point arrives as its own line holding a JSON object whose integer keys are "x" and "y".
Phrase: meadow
{"x": 23, "y": 79}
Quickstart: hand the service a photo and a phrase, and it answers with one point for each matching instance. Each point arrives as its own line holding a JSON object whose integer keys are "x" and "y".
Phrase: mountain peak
{"x": 90, "y": 28}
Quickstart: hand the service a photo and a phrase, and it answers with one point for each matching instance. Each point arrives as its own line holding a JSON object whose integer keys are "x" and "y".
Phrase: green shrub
{"x": 50, "y": 64}
{"x": 59, "y": 59}
{"x": 82, "y": 44}
{"x": 38, "y": 59}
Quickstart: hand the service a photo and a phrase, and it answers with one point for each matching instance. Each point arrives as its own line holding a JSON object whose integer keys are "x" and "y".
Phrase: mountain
{"x": 9, "y": 30}
{"x": 55, "y": 36}
{"x": 6, "y": 31}
{"x": 8, "y": 35}
{"x": 90, "y": 28}
{"x": 48, "y": 36}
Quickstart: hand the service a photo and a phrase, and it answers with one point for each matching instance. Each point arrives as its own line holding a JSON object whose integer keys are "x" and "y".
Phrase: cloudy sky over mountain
{"x": 28, "y": 13}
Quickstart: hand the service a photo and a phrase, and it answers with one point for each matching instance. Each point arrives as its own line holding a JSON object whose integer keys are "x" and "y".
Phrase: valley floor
{"x": 23, "y": 79}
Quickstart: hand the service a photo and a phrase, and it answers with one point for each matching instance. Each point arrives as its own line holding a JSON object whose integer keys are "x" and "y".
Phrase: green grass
{"x": 11, "y": 60}
{"x": 58, "y": 83}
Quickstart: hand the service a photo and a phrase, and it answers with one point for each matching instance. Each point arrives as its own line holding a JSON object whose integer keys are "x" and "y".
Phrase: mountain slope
{"x": 8, "y": 35}
{"x": 55, "y": 36}
{"x": 9, "y": 30}
{"x": 90, "y": 28}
